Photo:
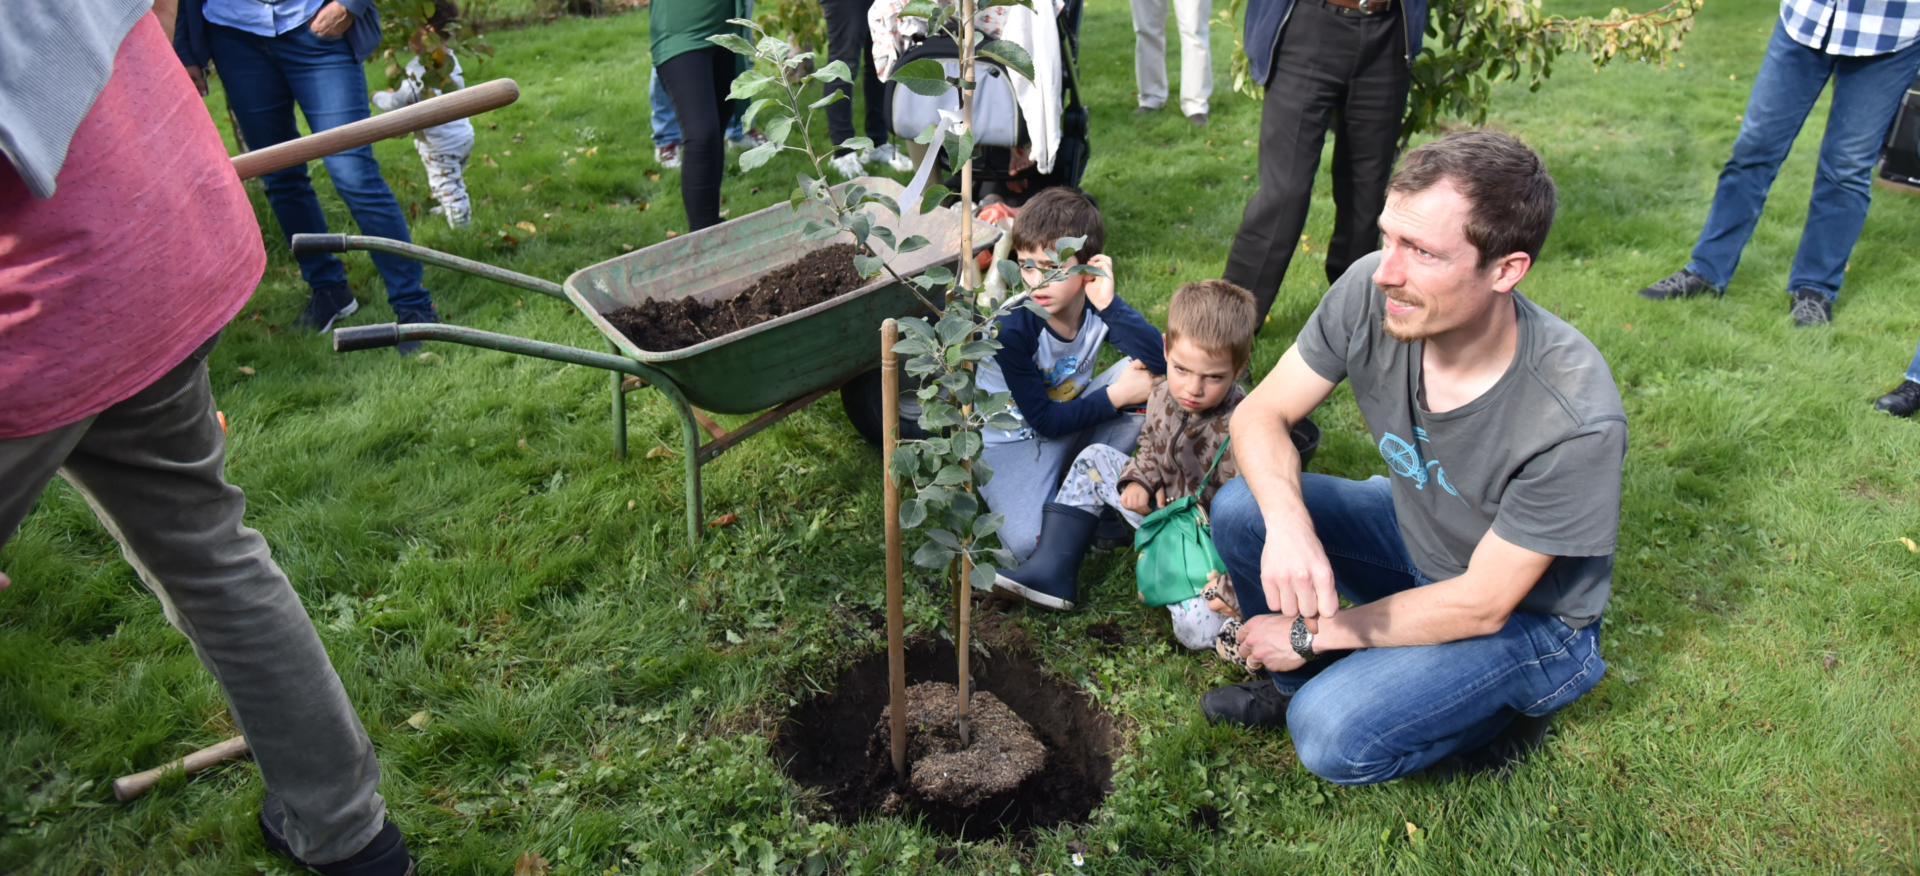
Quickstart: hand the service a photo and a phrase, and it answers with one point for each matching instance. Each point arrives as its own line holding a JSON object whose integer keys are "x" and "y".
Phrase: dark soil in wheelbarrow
{"x": 661, "y": 326}
{"x": 1040, "y": 753}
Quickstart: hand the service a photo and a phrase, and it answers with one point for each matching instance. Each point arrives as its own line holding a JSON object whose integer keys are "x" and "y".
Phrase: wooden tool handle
{"x": 128, "y": 787}
{"x": 472, "y": 100}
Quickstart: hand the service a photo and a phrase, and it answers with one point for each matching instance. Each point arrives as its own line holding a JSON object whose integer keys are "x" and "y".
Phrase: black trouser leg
{"x": 698, "y": 83}
{"x": 1366, "y": 142}
{"x": 849, "y": 41}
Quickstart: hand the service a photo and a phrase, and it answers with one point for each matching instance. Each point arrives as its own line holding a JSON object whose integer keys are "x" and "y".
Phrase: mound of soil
{"x": 837, "y": 743}
{"x": 661, "y": 326}
{"x": 1003, "y": 752}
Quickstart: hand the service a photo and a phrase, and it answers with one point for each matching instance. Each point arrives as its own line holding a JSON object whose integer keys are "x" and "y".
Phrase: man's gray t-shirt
{"x": 1537, "y": 457}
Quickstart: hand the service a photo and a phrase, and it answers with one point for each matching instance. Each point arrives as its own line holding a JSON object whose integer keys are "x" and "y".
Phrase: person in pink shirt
{"x": 126, "y": 243}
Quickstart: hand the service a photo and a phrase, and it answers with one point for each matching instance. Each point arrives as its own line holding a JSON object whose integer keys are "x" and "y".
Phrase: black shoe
{"x": 1810, "y": 308}
{"x": 1680, "y": 284}
{"x": 326, "y": 305}
{"x": 385, "y": 855}
{"x": 1113, "y": 532}
{"x": 1497, "y": 758}
{"x": 1902, "y": 401}
{"x": 1050, "y": 578}
{"x": 1252, "y": 703}
{"x": 413, "y": 317}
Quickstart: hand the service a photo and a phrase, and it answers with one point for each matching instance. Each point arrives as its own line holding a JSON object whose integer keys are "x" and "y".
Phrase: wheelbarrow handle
{"x": 310, "y": 244}
{"x": 365, "y": 337}
{"x": 448, "y": 107}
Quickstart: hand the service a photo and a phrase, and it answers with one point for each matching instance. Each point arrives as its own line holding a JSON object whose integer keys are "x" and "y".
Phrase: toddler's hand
{"x": 1134, "y": 498}
{"x": 1132, "y": 387}
{"x": 1100, "y": 289}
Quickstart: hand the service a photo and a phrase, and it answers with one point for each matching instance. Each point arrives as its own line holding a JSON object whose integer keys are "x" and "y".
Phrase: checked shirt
{"x": 1852, "y": 27}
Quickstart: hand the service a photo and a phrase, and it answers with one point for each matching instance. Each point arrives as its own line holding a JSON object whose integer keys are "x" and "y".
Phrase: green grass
{"x": 598, "y": 690}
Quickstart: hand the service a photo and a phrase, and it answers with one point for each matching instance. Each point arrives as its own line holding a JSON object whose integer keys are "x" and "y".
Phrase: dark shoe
{"x": 1902, "y": 401}
{"x": 413, "y": 317}
{"x": 1252, "y": 703}
{"x": 1050, "y": 578}
{"x": 385, "y": 855}
{"x": 1199, "y": 120}
{"x": 1113, "y": 532}
{"x": 326, "y": 305}
{"x": 1680, "y": 284}
{"x": 1498, "y": 758}
{"x": 1143, "y": 110}
{"x": 1810, "y": 308}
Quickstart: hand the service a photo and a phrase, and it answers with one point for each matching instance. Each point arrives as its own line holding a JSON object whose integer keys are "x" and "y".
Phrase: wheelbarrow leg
{"x": 619, "y": 413}
{"x": 690, "y": 449}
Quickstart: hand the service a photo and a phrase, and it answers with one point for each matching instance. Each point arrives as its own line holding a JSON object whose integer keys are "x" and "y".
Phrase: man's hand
{"x": 331, "y": 21}
{"x": 1268, "y": 641}
{"x": 199, "y": 78}
{"x": 1294, "y": 572}
{"x": 1132, "y": 387}
{"x": 1135, "y": 498}
{"x": 1100, "y": 289}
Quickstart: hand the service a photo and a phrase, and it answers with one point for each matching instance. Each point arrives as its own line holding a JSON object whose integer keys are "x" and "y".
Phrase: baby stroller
{"x": 1010, "y": 164}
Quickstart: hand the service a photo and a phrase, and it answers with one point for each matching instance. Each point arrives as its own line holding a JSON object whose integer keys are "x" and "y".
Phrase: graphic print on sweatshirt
{"x": 1067, "y": 367}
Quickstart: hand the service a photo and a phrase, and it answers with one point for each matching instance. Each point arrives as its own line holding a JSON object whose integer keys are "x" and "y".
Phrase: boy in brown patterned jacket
{"x": 1209, "y": 337}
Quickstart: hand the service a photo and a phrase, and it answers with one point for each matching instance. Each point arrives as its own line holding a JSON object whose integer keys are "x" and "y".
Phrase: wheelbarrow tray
{"x": 781, "y": 359}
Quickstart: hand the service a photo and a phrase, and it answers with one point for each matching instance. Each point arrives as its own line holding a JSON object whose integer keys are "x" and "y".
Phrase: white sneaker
{"x": 668, "y": 155}
{"x": 848, "y": 166}
{"x": 891, "y": 157}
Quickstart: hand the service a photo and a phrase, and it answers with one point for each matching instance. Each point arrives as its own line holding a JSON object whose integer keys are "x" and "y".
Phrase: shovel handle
{"x": 472, "y": 100}
{"x": 128, "y": 787}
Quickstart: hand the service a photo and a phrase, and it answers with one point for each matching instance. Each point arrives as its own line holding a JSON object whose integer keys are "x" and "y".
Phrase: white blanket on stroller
{"x": 1040, "y": 102}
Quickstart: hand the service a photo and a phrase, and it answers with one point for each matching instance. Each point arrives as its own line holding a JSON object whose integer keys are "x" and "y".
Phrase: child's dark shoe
{"x": 1050, "y": 578}
{"x": 1113, "y": 532}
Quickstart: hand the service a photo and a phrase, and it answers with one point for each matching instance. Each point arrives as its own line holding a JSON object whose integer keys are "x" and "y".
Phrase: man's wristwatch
{"x": 1302, "y": 639}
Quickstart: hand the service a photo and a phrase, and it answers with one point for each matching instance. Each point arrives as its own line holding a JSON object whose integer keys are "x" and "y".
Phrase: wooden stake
{"x": 128, "y": 787}
{"x": 896, "y": 613}
{"x": 969, "y": 274}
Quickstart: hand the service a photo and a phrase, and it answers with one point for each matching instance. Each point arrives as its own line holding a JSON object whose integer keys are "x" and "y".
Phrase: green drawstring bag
{"x": 1176, "y": 550}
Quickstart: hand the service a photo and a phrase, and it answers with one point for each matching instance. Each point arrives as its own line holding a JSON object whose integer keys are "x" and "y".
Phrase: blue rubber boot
{"x": 1050, "y": 578}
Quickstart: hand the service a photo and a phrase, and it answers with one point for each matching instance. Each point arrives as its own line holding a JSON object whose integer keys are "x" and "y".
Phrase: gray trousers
{"x": 1026, "y": 474}
{"x": 151, "y": 467}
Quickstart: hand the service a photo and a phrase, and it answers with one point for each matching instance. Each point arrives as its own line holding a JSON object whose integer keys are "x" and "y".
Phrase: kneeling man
{"x": 1479, "y": 569}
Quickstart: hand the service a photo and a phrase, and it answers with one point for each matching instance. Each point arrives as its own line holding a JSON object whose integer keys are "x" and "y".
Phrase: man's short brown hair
{"x": 1511, "y": 193}
{"x": 1216, "y": 316}
{"x": 1055, "y": 213}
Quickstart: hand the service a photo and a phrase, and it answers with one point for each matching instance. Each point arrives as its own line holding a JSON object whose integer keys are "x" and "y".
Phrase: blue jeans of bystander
{"x": 265, "y": 77}
{"x": 1381, "y": 713}
{"x": 1866, "y": 93}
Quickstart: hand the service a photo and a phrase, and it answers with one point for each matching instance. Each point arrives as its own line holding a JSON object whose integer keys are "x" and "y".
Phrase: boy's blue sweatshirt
{"x": 1047, "y": 373}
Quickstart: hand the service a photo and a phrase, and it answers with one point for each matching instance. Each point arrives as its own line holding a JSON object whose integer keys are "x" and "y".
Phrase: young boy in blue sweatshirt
{"x": 1048, "y": 366}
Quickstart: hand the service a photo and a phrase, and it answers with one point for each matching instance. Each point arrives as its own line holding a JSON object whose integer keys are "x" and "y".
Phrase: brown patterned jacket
{"x": 1176, "y": 446}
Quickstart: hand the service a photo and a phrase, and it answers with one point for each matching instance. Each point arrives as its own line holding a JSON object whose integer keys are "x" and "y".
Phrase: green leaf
{"x": 916, "y": 326}
{"x": 1034, "y": 308}
{"x": 892, "y": 205}
{"x": 982, "y": 474}
{"x": 944, "y": 538}
{"x": 912, "y": 346}
{"x": 777, "y": 128}
{"x": 1065, "y": 247}
{"x": 964, "y": 504}
{"x": 834, "y": 72}
{"x": 832, "y": 98}
{"x": 935, "y": 495}
{"x": 757, "y": 156}
{"x": 924, "y": 77}
{"x": 815, "y": 229}
{"x": 953, "y": 329}
{"x": 967, "y": 444}
{"x": 773, "y": 49}
{"x": 869, "y": 266}
{"x": 939, "y": 274}
{"x": 935, "y": 416}
{"x": 981, "y": 578}
{"x": 885, "y": 234}
{"x": 754, "y": 110}
{"x": 939, "y": 446}
{"x": 932, "y": 556}
{"x": 905, "y": 461}
{"x": 732, "y": 43}
{"x": 988, "y": 524}
{"x": 912, "y": 244}
{"x": 748, "y": 84}
{"x": 974, "y": 351}
{"x": 1009, "y": 272}
{"x": 956, "y": 380}
{"x": 949, "y": 476}
{"x": 1006, "y": 422}
{"x": 912, "y": 512}
{"x": 933, "y": 196}
{"x": 1002, "y": 558}
{"x": 1009, "y": 54}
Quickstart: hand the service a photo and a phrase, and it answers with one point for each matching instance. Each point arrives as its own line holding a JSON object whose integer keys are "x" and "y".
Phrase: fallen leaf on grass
{"x": 420, "y": 720}
{"x": 630, "y": 504}
{"x": 489, "y": 160}
{"x": 1829, "y": 661}
{"x": 1412, "y": 831}
{"x": 643, "y": 205}
{"x": 256, "y": 316}
{"x": 527, "y": 188}
{"x": 727, "y": 519}
{"x": 1911, "y": 547}
{"x": 429, "y": 358}
{"x": 658, "y": 451}
{"x": 673, "y": 234}
{"x": 653, "y": 175}
{"x": 523, "y": 444}
{"x": 528, "y": 227}
{"x": 531, "y": 864}
{"x": 247, "y": 370}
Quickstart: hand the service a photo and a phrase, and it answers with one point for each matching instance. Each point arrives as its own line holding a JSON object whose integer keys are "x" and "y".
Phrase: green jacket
{"x": 677, "y": 27}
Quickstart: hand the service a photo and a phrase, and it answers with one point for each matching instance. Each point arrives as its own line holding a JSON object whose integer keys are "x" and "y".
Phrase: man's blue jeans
{"x": 265, "y": 78}
{"x": 1913, "y": 368}
{"x": 666, "y": 125}
{"x": 1866, "y": 94}
{"x": 1381, "y": 713}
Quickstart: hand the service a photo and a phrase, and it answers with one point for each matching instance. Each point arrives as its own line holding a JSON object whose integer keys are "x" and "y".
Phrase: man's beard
{"x": 1408, "y": 334}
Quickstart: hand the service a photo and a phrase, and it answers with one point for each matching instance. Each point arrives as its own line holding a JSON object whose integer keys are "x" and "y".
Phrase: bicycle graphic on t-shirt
{"x": 1404, "y": 459}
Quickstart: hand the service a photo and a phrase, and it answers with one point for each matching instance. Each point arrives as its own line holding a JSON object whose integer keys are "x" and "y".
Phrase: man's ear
{"x": 1509, "y": 270}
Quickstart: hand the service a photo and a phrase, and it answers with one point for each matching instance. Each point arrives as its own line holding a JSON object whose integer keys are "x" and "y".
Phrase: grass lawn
{"x": 591, "y": 687}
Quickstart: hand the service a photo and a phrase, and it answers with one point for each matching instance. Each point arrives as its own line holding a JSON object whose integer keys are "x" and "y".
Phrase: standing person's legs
{"x": 1790, "y": 80}
{"x": 1309, "y": 81}
{"x": 1366, "y": 141}
{"x": 695, "y": 83}
{"x": 1196, "y": 55}
{"x": 262, "y": 103}
{"x": 1866, "y": 95}
{"x": 849, "y": 42}
{"x": 331, "y": 88}
{"x": 666, "y": 126}
{"x": 1150, "y": 52}
{"x": 151, "y": 468}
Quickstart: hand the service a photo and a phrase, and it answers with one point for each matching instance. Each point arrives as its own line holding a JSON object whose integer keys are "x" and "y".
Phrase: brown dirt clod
{"x": 1003, "y": 752}
{"x": 663, "y": 326}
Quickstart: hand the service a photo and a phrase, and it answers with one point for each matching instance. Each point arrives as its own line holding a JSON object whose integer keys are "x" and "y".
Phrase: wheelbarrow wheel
{"x": 860, "y": 398}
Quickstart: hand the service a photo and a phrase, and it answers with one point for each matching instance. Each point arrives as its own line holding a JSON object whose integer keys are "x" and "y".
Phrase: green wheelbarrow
{"x": 776, "y": 367}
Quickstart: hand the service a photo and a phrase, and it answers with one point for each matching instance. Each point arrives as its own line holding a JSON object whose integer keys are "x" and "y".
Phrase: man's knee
{"x": 1237, "y": 524}
{"x": 1341, "y": 748}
